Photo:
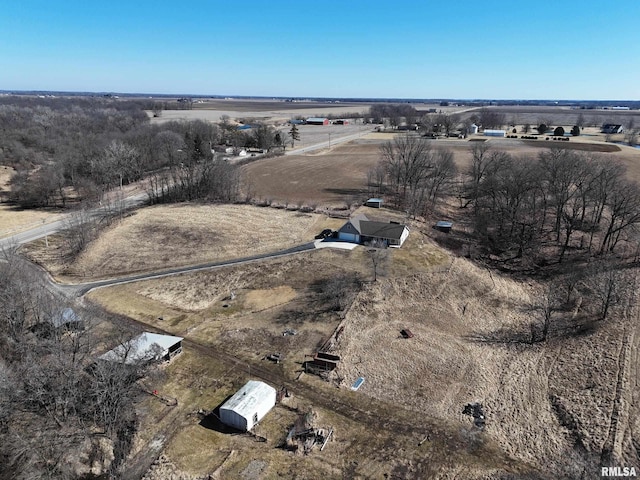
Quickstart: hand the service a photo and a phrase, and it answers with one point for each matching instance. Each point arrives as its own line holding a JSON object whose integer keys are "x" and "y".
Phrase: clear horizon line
{"x": 307, "y": 97}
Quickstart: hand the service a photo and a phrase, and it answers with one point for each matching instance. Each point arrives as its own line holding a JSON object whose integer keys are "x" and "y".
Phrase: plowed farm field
{"x": 335, "y": 176}
{"x": 330, "y": 177}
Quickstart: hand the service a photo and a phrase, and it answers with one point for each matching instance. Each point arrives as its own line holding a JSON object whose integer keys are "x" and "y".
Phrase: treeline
{"x": 415, "y": 174}
{"x": 536, "y": 207}
{"x": 76, "y": 149}
{"x": 260, "y": 136}
{"x": 60, "y": 413}
{"x": 562, "y": 198}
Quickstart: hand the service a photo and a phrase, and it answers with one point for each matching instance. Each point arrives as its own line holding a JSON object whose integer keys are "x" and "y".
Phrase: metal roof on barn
{"x": 252, "y": 397}
{"x": 143, "y": 348}
{"x": 64, "y": 317}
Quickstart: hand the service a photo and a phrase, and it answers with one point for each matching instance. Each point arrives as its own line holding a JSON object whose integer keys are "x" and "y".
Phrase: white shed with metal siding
{"x": 146, "y": 347}
{"x": 495, "y": 133}
{"x": 248, "y": 405}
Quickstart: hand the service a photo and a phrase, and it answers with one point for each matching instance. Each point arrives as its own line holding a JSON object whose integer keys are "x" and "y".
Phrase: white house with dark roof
{"x": 359, "y": 229}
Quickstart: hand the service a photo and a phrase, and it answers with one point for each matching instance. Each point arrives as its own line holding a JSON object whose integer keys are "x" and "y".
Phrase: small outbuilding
{"x": 145, "y": 348}
{"x": 612, "y": 128}
{"x": 444, "y": 226}
{"x": 248, "y": 405}
{"x": 317, "y": 121}
{"x": 374, "y": 203}
{"x": 495, "y": 133}
{"x": 67, "y": 319}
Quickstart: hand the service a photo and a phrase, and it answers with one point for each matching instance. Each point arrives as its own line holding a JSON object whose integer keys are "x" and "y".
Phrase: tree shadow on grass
{"x": 531, "y": 334}
{"x": 345, "y": 191}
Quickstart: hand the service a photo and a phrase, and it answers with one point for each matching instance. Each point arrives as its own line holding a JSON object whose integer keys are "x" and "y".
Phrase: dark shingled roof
{"x": 355, "y": 222}
{"x": 389, "y": 231}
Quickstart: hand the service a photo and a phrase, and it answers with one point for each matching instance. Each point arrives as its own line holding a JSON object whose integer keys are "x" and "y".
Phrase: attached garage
{"x": 248, "y": 405}
{"x": 350, "y": 231}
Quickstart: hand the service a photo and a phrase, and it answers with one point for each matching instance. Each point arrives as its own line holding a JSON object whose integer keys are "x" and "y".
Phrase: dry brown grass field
{"x": 270, "y": 298}
{"x": 12, "y": 220}
{"x": 167, "y": 236}
{"x": 552, "y": 409}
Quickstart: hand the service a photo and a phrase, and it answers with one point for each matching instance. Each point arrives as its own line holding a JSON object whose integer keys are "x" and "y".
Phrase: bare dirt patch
{"x": 339, "y": 175}
{"x": 332, "y": 177}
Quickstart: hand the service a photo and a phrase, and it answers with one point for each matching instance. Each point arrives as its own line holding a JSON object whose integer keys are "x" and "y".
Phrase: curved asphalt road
{"x": 63, "y": 223}
{"x": 83, "y": 288}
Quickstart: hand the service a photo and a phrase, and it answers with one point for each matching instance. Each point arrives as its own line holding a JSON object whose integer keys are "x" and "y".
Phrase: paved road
{"x": 53, "y": 227}
{"x": 83, "y": 288}
{"x": 330, "y": 143}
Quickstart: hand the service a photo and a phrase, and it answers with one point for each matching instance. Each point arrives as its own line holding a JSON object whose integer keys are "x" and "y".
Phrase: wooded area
{"x": 60, "y": 410}
{"x": 538, "y": 207}
{"x": 70, "y": 150}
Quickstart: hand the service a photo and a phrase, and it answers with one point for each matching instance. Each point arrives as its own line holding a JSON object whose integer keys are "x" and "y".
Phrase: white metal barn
{"x": 144, "y": 348}
{"x": 495, "y": 133}
{"x": 248, "y": 405}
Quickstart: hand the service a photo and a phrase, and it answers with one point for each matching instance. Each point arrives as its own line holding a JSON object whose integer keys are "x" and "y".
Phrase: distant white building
{"x": 495, "y": 133}
{"x": 248, "y": 405}
{"x": 473, "y": 129}
{"x": 145, "y": 348}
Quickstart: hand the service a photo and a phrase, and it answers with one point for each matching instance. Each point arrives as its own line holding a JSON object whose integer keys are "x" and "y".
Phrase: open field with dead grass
{"x": 529, "y": 392}
{"x": 274, "y": 111}
{"x": 14, "y": 220}
{"x": 165, "y": 236}
{"x": 269, "y": 298}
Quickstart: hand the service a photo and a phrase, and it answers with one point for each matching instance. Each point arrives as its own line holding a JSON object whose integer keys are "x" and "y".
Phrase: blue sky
{"x": 325, "y": 48}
